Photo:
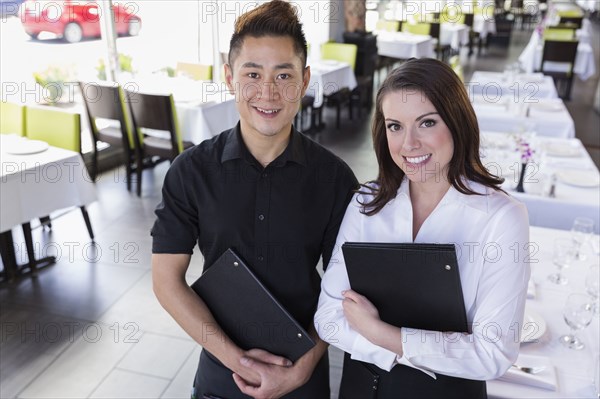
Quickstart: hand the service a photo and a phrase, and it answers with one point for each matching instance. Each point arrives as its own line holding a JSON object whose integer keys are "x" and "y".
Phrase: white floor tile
{"x": 181, "y": 385}
{"x": 158, "y": 355}
{"x": 125, "y": 384}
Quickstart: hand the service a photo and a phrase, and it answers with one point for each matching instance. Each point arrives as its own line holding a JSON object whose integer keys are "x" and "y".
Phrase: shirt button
{"x": 261, "y": 217}
{"x": 260, "y": 258}
{"x": 264, "y": 175}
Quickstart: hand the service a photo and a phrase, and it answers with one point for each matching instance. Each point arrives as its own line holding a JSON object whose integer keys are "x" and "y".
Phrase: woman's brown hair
{"x": 438, "y": 82}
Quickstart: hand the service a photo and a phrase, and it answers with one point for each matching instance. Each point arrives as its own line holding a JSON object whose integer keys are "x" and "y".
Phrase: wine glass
{"x": 564, "y": 253}
{"x": 578, "y": 314}
{"x": 592, "y": 285}
{"x": 580, "y": 232}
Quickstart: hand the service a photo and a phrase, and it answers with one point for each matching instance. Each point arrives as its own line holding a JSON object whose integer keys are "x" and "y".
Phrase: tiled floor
{"x": 90, "y": 326}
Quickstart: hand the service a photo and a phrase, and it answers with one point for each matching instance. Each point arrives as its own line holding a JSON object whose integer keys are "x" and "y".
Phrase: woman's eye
{"x": 428, "y": 123}
{"x": 393, "y": 127}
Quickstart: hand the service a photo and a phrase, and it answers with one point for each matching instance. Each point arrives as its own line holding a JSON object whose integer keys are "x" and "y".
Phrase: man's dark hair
{"x": 276, "y": 18}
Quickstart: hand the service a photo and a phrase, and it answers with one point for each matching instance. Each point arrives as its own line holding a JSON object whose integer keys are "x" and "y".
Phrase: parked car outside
{"x": 75, "y": 20}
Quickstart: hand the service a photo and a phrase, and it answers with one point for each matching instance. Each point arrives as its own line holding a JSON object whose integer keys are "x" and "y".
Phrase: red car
{"x": 74, "y": 20}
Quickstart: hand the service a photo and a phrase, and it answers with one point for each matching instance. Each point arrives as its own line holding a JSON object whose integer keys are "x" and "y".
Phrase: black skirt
{"x": 214, "y": 379}
{"x": 366, "y": 381}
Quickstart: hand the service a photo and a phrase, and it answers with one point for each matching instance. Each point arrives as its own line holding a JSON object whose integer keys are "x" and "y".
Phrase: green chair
{"x": 571, "y": 13}
{"x": 389, "y": 26}
{"x": 457, "y": 67}
{"x": 194, "y": 71}
{"x": 59, "y": 129}
{"x": 344, "y": 52}
{"x": 420, "y": 28}
{"x": 106, "y": 103}
{"x": 155, "y": 112}
{"x": 340, "y": 52}
{"x": 12, "y": 118}
{"x": 558, "y": 34}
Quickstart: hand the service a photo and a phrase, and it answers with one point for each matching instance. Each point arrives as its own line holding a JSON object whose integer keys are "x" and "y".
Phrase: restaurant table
{"x": 574, "y": 369}
{"x": 37, "y": 180}
{"x": 484, "y": 25}
{"x": 327, "y": 77}
{"x": 403, "y": 45}
{"x": 455, "y": 35}
{"x": 522, "y": 85}
{"x": 566, "y": 161}
{"x": 548, "y": 117}
{"x": 531, "y": 58}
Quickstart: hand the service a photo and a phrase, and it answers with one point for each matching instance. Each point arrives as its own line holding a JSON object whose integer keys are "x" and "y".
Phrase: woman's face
{"x": 419, "y": 141}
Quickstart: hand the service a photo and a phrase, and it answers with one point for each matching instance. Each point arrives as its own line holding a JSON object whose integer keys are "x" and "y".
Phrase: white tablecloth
{"x": 484, "y": 25}
{"x": 38, "y": 184}
{"x": 574, "y": 369}
{"x": 404, "y": 45}
{"x": 456, "y": 35}
{"x": 564, "y": 158}
{"x": 327, "y": 77}
{"x": 547, "y": 117}
{"x": 531, "y": 57}
{"x": 522, "y": 86}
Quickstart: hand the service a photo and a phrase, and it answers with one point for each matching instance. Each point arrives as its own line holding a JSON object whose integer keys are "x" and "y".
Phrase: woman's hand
{"x": 361, "y": 314}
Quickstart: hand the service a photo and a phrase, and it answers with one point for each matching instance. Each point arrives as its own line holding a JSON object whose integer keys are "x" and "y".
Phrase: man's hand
{"x": 276, "y": 379}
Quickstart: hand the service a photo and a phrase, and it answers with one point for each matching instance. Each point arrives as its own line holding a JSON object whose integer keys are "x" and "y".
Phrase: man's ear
{"x": 306, "y": 80}
{"x": 228, "y": 76}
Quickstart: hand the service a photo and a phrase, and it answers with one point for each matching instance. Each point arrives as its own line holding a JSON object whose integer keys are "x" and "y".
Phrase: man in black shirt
{"x": 265, "y": 190}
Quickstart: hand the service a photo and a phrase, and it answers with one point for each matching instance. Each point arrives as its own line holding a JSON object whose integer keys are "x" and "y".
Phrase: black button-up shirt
{"x": 281, "y": 219}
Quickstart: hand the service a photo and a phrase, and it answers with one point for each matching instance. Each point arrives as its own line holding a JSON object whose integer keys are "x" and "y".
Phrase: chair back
{"x": 434, "y": 30}
{"x": 574, "y": 22}
{"x": 457, "y": 67}
{"x": 421, "y": 28}
{"x": 560, "y": 51}
{"x": 344, "y": 52}
{"x": 157, "y": 112}
{"x": 194, "y": 71}
{"x": 389, "y": 26}
{"x": 107, "y": 102}
{"x": 559, "y": 34}
{"x": 12, "y": 118}
{"x": 56, "y": 127}
{"x": 469, "y": 18}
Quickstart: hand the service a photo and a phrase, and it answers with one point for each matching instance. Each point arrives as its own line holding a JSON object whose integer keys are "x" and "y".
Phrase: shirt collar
{"x": 236, "y": 149}
{"x": 478, "y": 202}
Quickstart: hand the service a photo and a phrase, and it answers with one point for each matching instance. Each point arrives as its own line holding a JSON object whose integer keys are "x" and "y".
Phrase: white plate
{"x": 562, "y": 150}
{"x": 26, "y": 147}
{"x": 547, "y": 106}
{"x": 534, "y": 326}
{"x": 579, "y": 178}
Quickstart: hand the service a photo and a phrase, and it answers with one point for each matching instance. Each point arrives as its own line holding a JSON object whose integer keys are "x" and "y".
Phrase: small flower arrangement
{"x": 524, "y": 148}
{"x": 125, "y": 65}
{"x": 53, "y": 82}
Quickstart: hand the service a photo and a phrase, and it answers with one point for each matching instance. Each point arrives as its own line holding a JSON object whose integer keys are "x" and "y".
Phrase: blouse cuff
{"x": 365, "y": 351}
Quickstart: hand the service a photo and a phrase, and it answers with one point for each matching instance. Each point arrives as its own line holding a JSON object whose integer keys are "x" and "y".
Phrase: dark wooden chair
{"x": 563, "y": 52}
{"x": 442, "y": 50}
{"x": 156, "y": 134}
{"x": 107, "y": 102}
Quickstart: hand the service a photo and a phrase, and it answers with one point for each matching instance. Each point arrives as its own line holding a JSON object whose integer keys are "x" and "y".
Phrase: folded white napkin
{"x": 545, "y": 379}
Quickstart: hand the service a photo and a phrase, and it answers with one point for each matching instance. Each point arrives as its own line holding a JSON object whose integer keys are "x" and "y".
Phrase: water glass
{"x": 564, "y": 253}
{"x": 592, "y": 286}
{"x": 578, "y": 315}
{"x": 581, "y": 232}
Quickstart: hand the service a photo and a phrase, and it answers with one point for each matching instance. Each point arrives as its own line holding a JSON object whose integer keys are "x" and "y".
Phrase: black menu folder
{"x": 412, "y": 285}
{"x": 246, "y": 310}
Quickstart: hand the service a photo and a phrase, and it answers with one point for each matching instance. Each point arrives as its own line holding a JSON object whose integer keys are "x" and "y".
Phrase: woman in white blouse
{"x": 431, "y": 188}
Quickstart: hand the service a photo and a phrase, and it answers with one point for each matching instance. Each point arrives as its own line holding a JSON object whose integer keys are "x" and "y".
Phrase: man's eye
{"x": 253, "y": 75}
{"x": 284, "y": 76}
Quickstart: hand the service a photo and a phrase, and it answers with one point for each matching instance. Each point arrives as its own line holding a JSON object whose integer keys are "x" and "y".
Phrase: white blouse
{"x": 491, "y": 234}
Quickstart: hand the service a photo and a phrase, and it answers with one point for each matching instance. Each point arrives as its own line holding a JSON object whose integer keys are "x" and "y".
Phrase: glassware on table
{"x": 592, "y": 286}
{"x": 580, "y": 233}
{"x": 564, "y": 253}
{"x": 578, "y": 315}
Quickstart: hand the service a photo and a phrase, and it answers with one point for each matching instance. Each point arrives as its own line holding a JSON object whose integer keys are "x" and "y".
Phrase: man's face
{"x": 269, "y": 82}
